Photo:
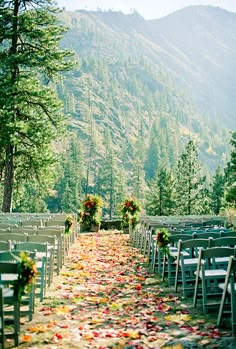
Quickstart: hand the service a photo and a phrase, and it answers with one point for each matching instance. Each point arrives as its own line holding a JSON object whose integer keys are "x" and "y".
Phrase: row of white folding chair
{"x": 187, "y": 263}
{"x": 170, "y": 259}
{"x": 210, "y": 273}
{"x": 45, "y": 247}
{"x": 22, "y": 235}
{"x": 63, "y": 241}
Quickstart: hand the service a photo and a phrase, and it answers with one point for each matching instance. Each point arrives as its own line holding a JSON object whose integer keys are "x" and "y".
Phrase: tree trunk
{"x": 8, "y": 180}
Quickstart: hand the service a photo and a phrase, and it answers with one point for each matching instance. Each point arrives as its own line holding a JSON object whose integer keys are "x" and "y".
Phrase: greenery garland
{"x": 130, "y": 212}
{"x": 68, "y": 224}
{"x": 26, "y": 275}
{"x": 163, "y": 240}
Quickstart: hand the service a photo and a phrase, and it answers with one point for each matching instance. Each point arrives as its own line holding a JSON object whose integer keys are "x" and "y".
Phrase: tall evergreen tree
{"x": 109, "y": 184}
{"x": 160, "y": 200}
{"x": 217, "y": 191}
{"x": 30, "y": 111}
{"x": 188, "y": 182}
{"x": 137, "y": 182}
{"x": 230, "y": 173}
{"x": 71, "y": 176}
{"x": 152, "y": 160}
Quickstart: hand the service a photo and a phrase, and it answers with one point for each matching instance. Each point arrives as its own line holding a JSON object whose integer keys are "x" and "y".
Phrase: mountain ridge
{"x": 130, "y": 79}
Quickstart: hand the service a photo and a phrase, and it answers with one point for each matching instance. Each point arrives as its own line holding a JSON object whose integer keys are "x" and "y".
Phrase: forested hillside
{"x": 157, "y": 83}
{"x": 148, "y": 105}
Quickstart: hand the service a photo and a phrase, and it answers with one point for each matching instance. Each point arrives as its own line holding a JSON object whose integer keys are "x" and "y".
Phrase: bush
{"x": 91, "y": 211}
{"x": 130, "y": 212}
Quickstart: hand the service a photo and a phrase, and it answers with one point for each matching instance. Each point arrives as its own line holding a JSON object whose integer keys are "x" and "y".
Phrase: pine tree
{"x": 188, "y": 182}
{"x": 217, "y": 191}
{"x": 153, "y": 152}
{"x": 137, "y": 182}
{"x": 160, "y": 200}
{"x": 110, "y": 185}
{"x": 71, "y": 175}
{"x": 31, "y": 114}
{"x": 230, "y": 173}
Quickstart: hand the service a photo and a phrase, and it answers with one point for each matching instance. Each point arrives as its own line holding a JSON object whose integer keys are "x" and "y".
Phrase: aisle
{"x": 104, "y": 298}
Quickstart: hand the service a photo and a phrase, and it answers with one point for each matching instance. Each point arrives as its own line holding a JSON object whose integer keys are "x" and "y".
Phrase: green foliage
{"x": 217, "y": 191}
{"x": 130, "y": 210}
{"x": 31, "y": 114}
{"x": 109, "y": 183}
{"x": 91, "y": 211}
{"x": 163, "y": 239}
{"x": 189, "y": 182}
{"x": 27, "y": 273}
{"x": 230, "y": 173}
{"x": 69, "y": 224}
{"x": 160, "y": 197}
{"x": 31, "y": 196}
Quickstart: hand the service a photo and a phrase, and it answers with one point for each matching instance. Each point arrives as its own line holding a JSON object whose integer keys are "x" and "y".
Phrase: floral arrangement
{"x": 130, "y": 212}
{"x": 27, "y": 273}
{"x": 91, "y": 211}
{"x": 163, "y": 239}
{"x": 68, "y": 224}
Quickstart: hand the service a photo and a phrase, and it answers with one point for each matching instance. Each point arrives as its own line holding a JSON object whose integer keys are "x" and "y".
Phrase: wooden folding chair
{"x": 10, "y": 317}
{"x": 229, "y": 289}
{"x": 206, "y": 235}
{"x": 41, "y": 257}
{"x": 2, "y": 336}
{"x": 27, "y": 301}
{"x": 210, "y": 275}
{"x": 169, "y": 259}
{"x": 5, "y": 245}
{"x": 51, "y": 243}
{"x": 187, "y": 264}
{"x": 59, "y": 246}
{"x": 21, "y": 237}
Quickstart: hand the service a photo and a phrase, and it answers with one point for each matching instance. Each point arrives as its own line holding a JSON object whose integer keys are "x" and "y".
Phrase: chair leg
{"x": 176, "y": 277}
{"x": 164, "y": 267}
{"x": 233, "y": 311}
{"x": 195, "y": 291}
{"x": 222, "y": 303}
{"x": 159, "y": 257}
{"x": 204, "y": 297}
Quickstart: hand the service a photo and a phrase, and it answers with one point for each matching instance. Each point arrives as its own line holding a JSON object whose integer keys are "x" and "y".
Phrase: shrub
{"x": 91, "y": 211}
{"x": 130, "y": 212}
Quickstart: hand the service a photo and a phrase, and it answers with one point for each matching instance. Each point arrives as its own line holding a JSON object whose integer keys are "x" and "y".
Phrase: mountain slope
{"x": 137, "y": 76}
{"x": 199, "y": 46}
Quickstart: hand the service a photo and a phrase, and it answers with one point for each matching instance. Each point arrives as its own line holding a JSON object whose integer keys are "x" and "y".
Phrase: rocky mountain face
{"x": 167, "y": 80}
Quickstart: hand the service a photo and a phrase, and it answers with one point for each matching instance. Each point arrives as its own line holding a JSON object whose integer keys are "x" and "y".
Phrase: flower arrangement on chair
{"x": 91, "y": 213}
{"x": 130, "y": 212}
{"x": 27, "y": 274}
{"x": 68, "y": 223}
{"x": 163, "y": 239}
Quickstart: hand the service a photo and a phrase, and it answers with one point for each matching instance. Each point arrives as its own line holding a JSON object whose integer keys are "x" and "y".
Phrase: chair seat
{"x": 190, "y": 261}
{"x": 7, "y": 292}
{"x": 209, "y": 273}
{"x": 6, "y": 278}
{"x": 221, "y": 259}
{"x": 222, "y": 286}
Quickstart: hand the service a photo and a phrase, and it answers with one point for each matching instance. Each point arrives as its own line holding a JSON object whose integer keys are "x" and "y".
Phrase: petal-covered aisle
{"x": 104, "y": 298}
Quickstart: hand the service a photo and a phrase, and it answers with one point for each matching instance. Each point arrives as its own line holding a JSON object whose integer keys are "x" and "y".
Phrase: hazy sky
{"x": 149, "y": 9}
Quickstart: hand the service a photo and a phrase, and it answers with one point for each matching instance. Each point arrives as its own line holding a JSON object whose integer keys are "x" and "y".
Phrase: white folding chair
{"x": 209, "y": 275}
{"x": 229, "y": 289}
